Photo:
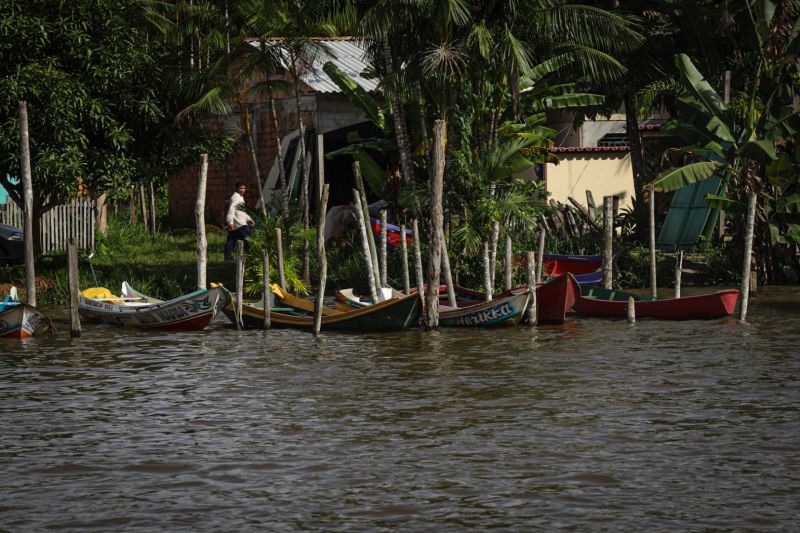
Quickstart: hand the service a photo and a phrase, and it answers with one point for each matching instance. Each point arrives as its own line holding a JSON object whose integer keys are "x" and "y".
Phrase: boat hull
{"x": 706, "y": 306}
{"x": 22, "y": 321}
{"x": 503, "y": 310}
{"x": 395, "y": 314}
{"x": 189, "y": 312}
{"x": 555, "y": 298}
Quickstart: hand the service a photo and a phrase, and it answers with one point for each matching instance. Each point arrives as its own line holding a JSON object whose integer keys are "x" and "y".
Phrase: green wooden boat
{"x": 394, "y": 314}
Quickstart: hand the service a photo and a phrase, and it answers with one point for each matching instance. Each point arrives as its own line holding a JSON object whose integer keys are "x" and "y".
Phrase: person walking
{"x": 238, "y": 222}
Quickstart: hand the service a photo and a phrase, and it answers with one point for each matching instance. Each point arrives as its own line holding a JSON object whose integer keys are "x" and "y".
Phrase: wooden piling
{"x": 322, "y": 260}
{"x": 279, "y": 252}
{"x": 239, "y": 283}
{"x": 368, "y": 224}
{"x": 132, "y": 205}
{"x": 509, "y": 266}
{"x": 678, "y": 272}
{"x": 540, "y": 253}
{"x": 531, "y": 317}
{"x": 653, "y": 269}
{"x": 362, "y": 230}
{"x": 27, "y": 197}
{"x": 448, "y": 275}
{"x": 437, "y": 224}
{"x": 404, "y": 253}
{"x": 201, "y": 243}
{"x": 487, "y": 276}
{"x": 744, "y": 293}
{"x": 493, "y": 252}
{"x": 384, "y": 248}
{"x": 418, "y": 262}
{"x": 608, "y": 232}
{"x": 74, "y": 289}
{"x": 631, "y": 311}
{"x": 265, "y": 290}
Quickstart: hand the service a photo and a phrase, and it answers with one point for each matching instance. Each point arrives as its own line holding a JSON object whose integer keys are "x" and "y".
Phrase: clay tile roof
{"x": 587, "y": 149}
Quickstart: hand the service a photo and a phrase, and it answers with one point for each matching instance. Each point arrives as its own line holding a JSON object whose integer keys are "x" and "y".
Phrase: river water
{"x": 594, "y": 425}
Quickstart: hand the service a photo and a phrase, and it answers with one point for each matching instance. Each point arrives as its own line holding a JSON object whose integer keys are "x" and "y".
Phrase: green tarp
{"x": 689, "y": 217}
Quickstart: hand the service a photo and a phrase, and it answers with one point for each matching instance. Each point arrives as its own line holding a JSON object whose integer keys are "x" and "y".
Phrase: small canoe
{"x": 599, "y": 302}
{"x": 19, "y": 320}
{"x": 587, "y": 269}
{"x": 503, "y": 310}
{"x": 394, "y": 314}
{"x": 192, "y": 311}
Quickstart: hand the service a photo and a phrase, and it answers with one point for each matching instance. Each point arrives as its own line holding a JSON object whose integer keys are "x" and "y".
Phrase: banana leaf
{"x": 675, "y": 178}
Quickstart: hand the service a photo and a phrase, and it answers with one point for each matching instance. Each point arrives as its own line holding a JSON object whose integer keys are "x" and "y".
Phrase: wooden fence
{"x": 74, "y": 220}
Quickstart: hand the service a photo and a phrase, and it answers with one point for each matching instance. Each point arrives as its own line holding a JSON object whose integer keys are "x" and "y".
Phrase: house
{"x": 325, "y": 111}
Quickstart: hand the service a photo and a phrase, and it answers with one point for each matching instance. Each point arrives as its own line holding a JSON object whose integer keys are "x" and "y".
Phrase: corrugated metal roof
{"x": 347, "y": 54}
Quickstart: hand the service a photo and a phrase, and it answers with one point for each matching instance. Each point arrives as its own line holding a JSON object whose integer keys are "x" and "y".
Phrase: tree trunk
{"x": 132, "y": 204}
{"x": 143, "y": 203}
{"x": 27, "y": 197}
{"x": 101, "y": 214}
{"x": 509, "y": 263}
{"x": 744, "y": 296}
{"x": 152, "y": 197}
{"x": 437, "y": 224}
{"x": 200, "y": 222}
{"x": 248, "y": 131}
{"x": 368, "y": 225}
{"x": 278, "y": 145}
{"x": 398, "y": 116}
{"x": 637, "y": 161}
{"x": 404, "y": 254}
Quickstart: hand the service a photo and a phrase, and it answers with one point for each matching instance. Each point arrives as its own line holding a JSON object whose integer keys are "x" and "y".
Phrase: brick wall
{"x": 223, "y": 176}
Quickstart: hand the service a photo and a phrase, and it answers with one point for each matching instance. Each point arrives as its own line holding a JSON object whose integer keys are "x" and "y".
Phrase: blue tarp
{"x": 4, "y": 193}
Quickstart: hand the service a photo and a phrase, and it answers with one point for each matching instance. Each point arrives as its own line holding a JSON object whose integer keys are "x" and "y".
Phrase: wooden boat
{"x": 506, "y": 309}
{"x": 587, "y": 269}
{"x": 192, "y": 311}
{"x": 19, "y": 320}
{"x": 599, "y": 302}
{"x": 554, "y": 299}
{"x": 392, "y": 233}
{"x": 393, "y": 314}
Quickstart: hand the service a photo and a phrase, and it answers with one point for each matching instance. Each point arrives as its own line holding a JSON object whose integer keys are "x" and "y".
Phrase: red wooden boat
{"x": 599, "y": 302}
{"x": 553, "y": 299}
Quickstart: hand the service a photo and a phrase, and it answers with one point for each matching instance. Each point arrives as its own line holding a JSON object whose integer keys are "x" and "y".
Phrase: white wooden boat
{"x": 192, "y": 311}
{"x": 19, "y": 320}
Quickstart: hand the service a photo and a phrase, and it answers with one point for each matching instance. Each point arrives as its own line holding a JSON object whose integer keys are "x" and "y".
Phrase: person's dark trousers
{"x": 238, "y": 234}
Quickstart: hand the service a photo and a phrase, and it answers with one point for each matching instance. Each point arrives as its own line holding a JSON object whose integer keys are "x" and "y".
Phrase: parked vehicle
{"x": 12, "y": 244}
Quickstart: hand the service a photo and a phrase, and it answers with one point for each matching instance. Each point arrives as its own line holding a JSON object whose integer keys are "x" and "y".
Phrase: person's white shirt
{"x": 236, "y": 216}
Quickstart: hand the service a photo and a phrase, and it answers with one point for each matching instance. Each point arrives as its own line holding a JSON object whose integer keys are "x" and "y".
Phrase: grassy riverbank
{"x": 163, "y": 265}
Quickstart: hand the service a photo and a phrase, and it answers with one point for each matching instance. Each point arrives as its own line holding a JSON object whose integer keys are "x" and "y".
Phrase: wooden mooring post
{"x": 384, "y": 250}
{"x": 322, "y": 271}
{"x": 279, "y": 252}
{"x": 239, "y": 283}
{"x": 487, "y": 275}
{"x": 27, "y": 197}
{"x": 200, "y": 223}
{"x": 74, "y": 289}
{"x": 532, "y": 317}
{"x": 265, "y": 290}
{"x": 509, "y": 263}
{"x": 540, "y": 253}
{"x": 653, "y": 269}
{"x": 376, "y": 269}
{"x": 744, "y": 292}
{"x": 678, "y": 272}
{"x": 418, "y": 263}
{"x": 362, "y": 230}
{"x": 631, "y": 310}
{"x": 608, "y": 245}
{"x": 448, "y": 275}
{"x": 404, "y": 253}
{"x": 437, "y": 225}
